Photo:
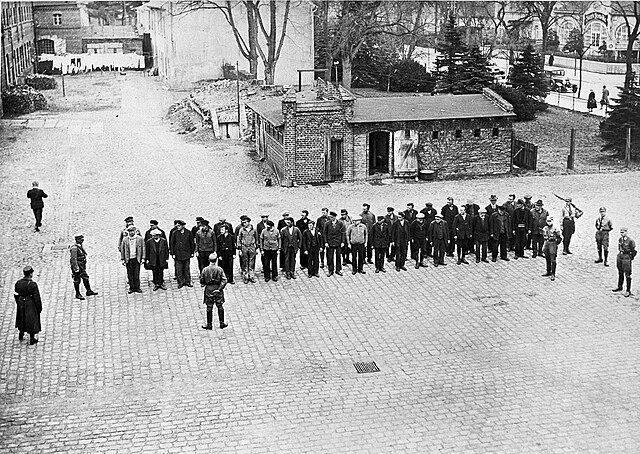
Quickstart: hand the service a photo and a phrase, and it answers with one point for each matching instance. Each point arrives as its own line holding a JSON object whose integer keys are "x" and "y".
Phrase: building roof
{"x": 270, "y": 109}
{"x": 417, "y": 108}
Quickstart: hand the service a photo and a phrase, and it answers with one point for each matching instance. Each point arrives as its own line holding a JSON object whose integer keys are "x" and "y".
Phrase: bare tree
{"x": 626, "y": 9}
{"x": 545, "y": 13}
{"x": 261, "y": 18}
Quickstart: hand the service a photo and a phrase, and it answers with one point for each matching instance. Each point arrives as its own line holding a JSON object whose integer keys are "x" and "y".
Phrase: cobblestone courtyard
{"x": 476, "y": 358}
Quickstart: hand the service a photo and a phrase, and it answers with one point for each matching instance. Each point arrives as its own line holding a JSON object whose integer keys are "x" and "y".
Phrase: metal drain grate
{"x": 366, "y": 367}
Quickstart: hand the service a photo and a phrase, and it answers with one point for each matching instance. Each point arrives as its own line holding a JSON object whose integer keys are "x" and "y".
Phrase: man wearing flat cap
{"x": 303, "y": 225}
{"x": 346, "y": 249}
{"x": 320, "y": 222}
{"x": 247, "y": 243}
{"x": 491, "y": 208}
{"x": 538, "y": 222}
{"x": 132, "y": 254}
{"x": 312, "y": 243}
{"x": 195, "y": 229}
{"x": 626, "y": 253}
{"x": 368, "y": 219}
{"x": 400, "y": 239}
{"x": 182, "y": 248}
{"x": 29, "y": 306}
{"x": 335, "y": 236}
{"x": 157, "y": 257}
{"x": 522, "y": 222}
{"x": 270, "y": 245}
{"x": 418, "y": 236}
{"x": 290, "y": 242}
{"x": 429, "y": 216}
{"x": 153, "y": 225}
{"x": 462, "y": 233}
{"x": 128, "y": 221}
{"x": 357, "y": 239}
{"x": 260, "y": 226}
{"x": 282, "y": 224}
{"x": 500, "y": 231}
{"x": 449, "y": 213}
{"x": 205, "y": 244}
{"x": 480, "y": 234}
{"x": 78, "y": 261}
{"x": 380, "y": 239}
{"x": 439, "y": 237}
{"x": 391, "y": 219}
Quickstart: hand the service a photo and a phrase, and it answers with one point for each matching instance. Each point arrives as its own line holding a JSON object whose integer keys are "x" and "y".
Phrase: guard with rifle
{"x": 569, "y": 214}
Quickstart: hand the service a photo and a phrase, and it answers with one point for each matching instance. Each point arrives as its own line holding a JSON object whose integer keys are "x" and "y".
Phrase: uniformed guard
{"x": 214, "y": 280}
{"x": 29, "y": 304}
{"x": 79, "y": 267}
{"x": 603, "y": 227}
{"x": 552, "y": 238}
{"x": 626, "y": 254}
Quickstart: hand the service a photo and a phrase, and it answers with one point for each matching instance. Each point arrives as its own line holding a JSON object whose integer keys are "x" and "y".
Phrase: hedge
{"x": 41, "y": 82}
{"x": 22, "y": 99}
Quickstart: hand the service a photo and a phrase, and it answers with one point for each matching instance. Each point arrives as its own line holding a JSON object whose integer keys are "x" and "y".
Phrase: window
{"x": 458, "y": 133}
{"x": 435, "y": 134}
{"x": 622, "y": 34}
{"x": 495, "y": 132}
{"x": 565, "y": 29}
{"x": 595, "y": 32}
{"x": 407, "y": 134}
{"x": 45, "y": 46}
{"x": 476, "y": 133}
{"x": 57, "y": 19}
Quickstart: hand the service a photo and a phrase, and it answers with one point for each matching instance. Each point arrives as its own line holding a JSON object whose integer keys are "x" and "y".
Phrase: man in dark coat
{"x": 29, "y": 306}
{"x": 196, "y": 227}
{"x": 491, "y": 208}
{"x": 214, "y": 281}
{"x": 449, "y": 212}
{"x": 312, "y": 244}
{"x": 218, "y": 225}
{"x": 391, "y": 219}
{"x": 429, "y": 216}
{"x": 303, "y": 224}
{"x": 290, "y": 241}
{"x": 322, "y": 220}
{"x": 380, "y": 239}
{"x": 334, "y": 235}
{"x": 480, "y": 233}
{"x": 410, "y": 215}
{"x": 157, "y": 256}
{"x": 510, "y": 207}
{"x": 473, "y": 210}
{"x": 439, "y": 238}
{"x": 226, "y": 245}
{"x": 153, "y": 225}
{"x": 418, "y": 234}
{"x": 78, "y": 262}
{"x": 522, "y": 222}
{"x": 182, "y": 248}
{"x": 260, "y": 226}
{"x": 282, "y": 224}
{"x": 400, "y": 239}
{"x": 462, "y": 233}
{"x": 36, "y": 195}
{"x": 500, "y": 231}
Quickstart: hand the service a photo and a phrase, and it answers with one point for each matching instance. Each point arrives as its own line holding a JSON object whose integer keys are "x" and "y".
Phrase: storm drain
{"x": 55, "y": 247}
{"x": 366, "y": 367}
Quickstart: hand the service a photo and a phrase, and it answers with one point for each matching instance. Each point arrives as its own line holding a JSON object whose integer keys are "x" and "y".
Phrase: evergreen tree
{"x": 450, "y": 62}
{"x": 527, "y": 75}
{"x": 474, "y": 75}
{"x": 623, "y": 114}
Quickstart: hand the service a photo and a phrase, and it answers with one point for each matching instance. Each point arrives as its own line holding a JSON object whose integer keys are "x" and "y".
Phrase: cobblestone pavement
{"x": 475, "y": 358}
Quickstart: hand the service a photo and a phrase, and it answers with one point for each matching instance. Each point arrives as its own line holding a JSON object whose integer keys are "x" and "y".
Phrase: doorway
{"x": 378, "y": 152}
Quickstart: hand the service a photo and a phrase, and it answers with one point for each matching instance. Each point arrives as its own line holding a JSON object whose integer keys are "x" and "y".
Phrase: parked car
{"x": 562, "y": 85}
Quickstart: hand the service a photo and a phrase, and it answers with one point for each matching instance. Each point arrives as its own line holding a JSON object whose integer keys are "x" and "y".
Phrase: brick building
{"x": 18, "y": 48}
{"x": 66, "y": 27}
{"x": 327, "y": 134}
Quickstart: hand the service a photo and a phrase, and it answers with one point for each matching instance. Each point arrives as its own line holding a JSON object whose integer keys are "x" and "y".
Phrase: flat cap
{"x": 332, "y": 213}
{"x": 128, "y": 219}
{"x": 153, "y": 221}
{"x": 199, "y": 219}
{"x": 79, "y": 237}
{"x": 420, "y": 216}
{"x": 27, "y": 269}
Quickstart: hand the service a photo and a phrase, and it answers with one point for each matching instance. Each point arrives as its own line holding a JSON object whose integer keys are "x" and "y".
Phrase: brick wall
{"x": 128, "y": 44}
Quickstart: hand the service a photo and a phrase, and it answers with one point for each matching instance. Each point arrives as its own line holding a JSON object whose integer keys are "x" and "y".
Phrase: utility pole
{"x": 627, "y": 149}
{"x": 238, "y": 94}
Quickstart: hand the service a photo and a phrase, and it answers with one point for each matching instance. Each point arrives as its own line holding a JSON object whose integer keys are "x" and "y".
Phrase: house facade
{"x": 18, "y": 42}
{"x": 195, "y": 45}
{"x": 327, "y": 134}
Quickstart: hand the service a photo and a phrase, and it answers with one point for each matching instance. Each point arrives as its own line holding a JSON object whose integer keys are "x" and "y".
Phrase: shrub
{"x": 22, "y": 99}
{"x": 41, "y": 82}
{"x": 524, "y": 107}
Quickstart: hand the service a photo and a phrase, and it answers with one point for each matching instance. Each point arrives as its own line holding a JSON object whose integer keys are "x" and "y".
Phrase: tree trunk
{"x": 628, "y": 77}
{"x": 252, "y": 34}
{"x": 580, "y": 80}
{"x": 346, "y": 72}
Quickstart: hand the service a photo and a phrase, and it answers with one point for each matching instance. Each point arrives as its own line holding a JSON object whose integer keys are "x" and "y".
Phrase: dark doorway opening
{"x": 379, "y": 152}
{"x": 147, "y": 50}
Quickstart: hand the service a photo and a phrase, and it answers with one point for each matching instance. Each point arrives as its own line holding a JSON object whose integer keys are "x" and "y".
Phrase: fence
{"x": 524, "y": 154}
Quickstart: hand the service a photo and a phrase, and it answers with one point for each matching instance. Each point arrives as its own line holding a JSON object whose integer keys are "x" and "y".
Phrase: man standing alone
{"x": 214, "y": 280}
{"x": 626, "y": 254}
{"x": 603, "y": 227}
{"x": 36, "y": 195}
{"x": 78, "y": 261}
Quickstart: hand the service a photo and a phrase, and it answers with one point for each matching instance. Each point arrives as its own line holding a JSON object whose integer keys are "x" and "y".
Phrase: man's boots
{"x": 79, "y": 296}
{"x": 606, "y": 257}
{"x": 628, "y": 292}
{"x": 599, "y": 255}
{"x": 553, "y": 271}
{"x": 620, "y": 282}
{"x": 33, "y": 340}
{"x": 223, "y": 325}
{"x": 209, "y": 319}
{"x": 87, "y": 285}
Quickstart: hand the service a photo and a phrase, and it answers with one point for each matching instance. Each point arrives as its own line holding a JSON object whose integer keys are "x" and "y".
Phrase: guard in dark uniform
{"x": 626, "y": 254}
{"x": 214, "y": 281}
{"x": 29, "y": 304}
{"x": 78, "y": 263}
{"x": 603, "y": 227}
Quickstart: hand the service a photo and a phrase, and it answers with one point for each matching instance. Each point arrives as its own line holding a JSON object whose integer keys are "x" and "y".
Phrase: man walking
{"x": 334, "y": 235}
{"x": 182, "y": 247}
{"x": 603, "y": 227}
{"x": 439, "y": 238}
{"x": 462, "y": 233}
{"x": 538, "y": 222}
{"x": 312, "y": 244}
{"x": 132, "y": 254}
{"x": 205, "y": 244}
{"x": 36, "y": 195}
{"x": 418, "y": 235}
{"x": 78, "y": 261}
{"x": 290, "y": 240}
{"x": 29, "y": 306}
{"x": 157, "y": 250}
{"x": 270, "y": 245}
{"x": 552, "y": 238}
{"x": 247, "y": 244}
{"x": 357, "y": 239}
{"x": 400, "y": 239}
{"x": 214, "y": 281}
{"x": 626, "y": 254}
{"x": 480, "y": 233}
{"x": 226, "y": 250}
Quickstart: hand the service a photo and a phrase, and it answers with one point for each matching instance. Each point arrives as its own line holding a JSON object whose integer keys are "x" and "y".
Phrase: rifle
{"x": 579, "y": 212}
